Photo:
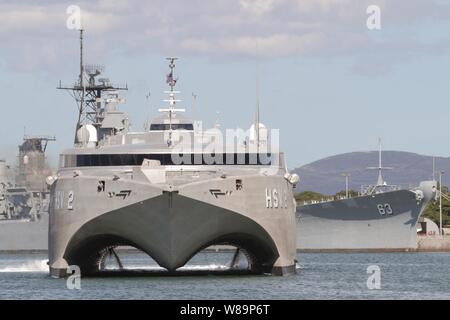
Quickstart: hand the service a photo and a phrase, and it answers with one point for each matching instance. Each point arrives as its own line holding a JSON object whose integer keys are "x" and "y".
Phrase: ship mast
{"x": 171, "y": 109}
{"x": 434, "y": 168}
{"x": 380, "y": 168}
{"x": 88, "y": 95}
{"x": 257, "y": 138}
{"x": 257, "y": 110}
{"x": 81, "y": 80}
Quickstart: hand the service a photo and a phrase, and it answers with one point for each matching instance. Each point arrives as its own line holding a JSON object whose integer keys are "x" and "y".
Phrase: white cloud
{"x": 24, "y": 19}
{"x": 221, "y": 28}
{"x": 258, "y": 7}
{"x": 269, "y": 46}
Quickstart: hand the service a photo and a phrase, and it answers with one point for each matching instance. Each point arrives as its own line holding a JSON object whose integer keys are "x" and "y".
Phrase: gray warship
{"x": 151, "y": 190}
{"x": 24, "y": 198}
{"x": 382, "y": 218}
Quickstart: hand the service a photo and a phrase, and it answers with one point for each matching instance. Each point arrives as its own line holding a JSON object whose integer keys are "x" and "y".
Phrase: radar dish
{"x": 94, "y": 69}
{"x": 104, "y": 81}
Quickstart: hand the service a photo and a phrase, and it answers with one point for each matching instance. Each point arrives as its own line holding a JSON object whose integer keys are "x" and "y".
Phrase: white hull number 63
{"x": 385, "y": 209}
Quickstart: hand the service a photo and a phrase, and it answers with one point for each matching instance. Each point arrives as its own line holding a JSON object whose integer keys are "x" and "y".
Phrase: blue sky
{"x": 327, "y": 82}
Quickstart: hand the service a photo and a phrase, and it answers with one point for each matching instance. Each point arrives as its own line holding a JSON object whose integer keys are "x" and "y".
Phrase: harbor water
{"x": 319, "y": 276}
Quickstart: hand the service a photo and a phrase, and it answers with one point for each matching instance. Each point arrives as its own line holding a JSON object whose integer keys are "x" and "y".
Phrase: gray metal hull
{"x": 171, "y": 229}
{"x": 357, "y": 224}
{"x": 170, "y": 224}
{"x": 22, "y": 235}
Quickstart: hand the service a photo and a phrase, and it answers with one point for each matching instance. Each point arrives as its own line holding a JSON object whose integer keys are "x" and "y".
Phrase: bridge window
{"x": 104, "y": 160}
{"x": 175, "y": 126}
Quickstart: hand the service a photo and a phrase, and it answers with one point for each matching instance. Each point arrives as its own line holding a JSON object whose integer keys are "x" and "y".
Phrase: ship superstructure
{"x": 32, "y": 165}
{"x": 24, "y": 198}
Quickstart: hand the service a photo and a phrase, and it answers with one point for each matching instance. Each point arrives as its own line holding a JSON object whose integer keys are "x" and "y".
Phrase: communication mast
{"x": 172, "y": 108}
{"x": 88, "y": 90}
{"x": 380, "y": 168}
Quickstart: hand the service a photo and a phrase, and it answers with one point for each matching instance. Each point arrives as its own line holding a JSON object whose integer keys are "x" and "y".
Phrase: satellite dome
{"x": 87, "y": 135}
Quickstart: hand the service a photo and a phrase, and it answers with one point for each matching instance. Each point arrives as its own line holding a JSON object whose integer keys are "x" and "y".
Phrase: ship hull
{"x": 169, "y": 223}
{"x": 362, "y": 223}
{"x": 24, "y": 235}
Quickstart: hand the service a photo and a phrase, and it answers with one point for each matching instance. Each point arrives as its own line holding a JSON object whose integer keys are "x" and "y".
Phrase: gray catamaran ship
{"x": 153, "y": 191}
{"x": 382, "y": 218}
{"x": 24, "y": 198}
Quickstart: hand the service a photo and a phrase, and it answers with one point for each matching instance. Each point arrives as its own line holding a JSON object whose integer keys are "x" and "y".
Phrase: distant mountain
{"x": 325, "y": 175}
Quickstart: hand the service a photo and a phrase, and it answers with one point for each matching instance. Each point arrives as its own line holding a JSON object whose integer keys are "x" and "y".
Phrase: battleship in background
{"x": 382, "y": 218}
{"x": 24, "y": 198}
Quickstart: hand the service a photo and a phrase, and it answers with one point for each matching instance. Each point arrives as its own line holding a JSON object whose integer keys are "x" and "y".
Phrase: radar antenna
{"x": 40, "y": 140}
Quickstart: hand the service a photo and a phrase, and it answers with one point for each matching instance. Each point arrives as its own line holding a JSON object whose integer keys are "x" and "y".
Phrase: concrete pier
{"x": 433, "y": 243}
